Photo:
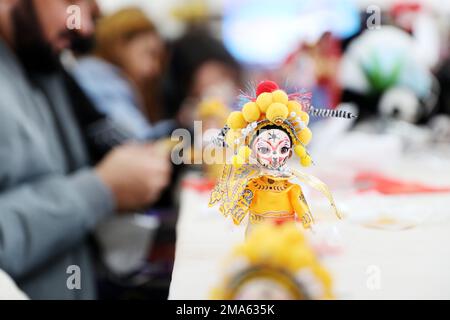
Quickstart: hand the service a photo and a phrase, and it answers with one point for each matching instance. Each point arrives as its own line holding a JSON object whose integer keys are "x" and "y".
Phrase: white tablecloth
{"x": 365, "y": 263}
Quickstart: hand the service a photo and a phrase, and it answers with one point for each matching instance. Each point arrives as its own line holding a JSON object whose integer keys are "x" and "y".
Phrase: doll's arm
{"x": 243, "y": 205}
{"x": 301, "y": 207}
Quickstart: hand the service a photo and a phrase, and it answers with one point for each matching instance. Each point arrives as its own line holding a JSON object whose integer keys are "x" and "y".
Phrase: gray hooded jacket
{"x": 50, "y": 199}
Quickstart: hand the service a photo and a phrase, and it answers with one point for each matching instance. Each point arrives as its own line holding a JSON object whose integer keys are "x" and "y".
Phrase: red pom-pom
{"x": 266, "y": 86}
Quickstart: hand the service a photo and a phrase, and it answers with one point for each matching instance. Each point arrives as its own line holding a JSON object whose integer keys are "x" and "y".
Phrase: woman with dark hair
{"x": 199, "y": 66}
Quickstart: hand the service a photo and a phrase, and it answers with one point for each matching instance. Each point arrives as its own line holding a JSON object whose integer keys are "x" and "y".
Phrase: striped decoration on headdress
{"x": 329, "y": 113}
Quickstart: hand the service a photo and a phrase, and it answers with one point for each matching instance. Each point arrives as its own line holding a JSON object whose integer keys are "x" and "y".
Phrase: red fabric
{"x": 281, "y": 221}
{"x": 369, "y": 181}
{"x": 199, "y": 184}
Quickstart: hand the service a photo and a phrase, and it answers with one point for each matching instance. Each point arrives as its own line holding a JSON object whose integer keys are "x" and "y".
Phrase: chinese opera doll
{"x": 274, "y": 263}
{"x": 271, "y": 128}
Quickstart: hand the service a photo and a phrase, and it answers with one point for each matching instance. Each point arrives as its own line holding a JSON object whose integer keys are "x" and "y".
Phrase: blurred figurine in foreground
{"x": 271, "y": 127}
{"x": 275, "y": 263}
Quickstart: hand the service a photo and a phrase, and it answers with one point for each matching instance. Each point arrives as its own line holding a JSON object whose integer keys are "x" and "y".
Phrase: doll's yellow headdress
{"x": 273, "y": 106}
{"x": 269, "y": 106}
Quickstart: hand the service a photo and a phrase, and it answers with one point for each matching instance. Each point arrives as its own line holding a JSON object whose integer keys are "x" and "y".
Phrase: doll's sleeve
{"x": 243, "y": 205}
{"x": 301, "y": 207}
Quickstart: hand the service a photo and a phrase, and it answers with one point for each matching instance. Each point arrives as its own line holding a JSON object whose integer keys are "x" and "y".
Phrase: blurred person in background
{"x": 51, "y": 196}
{"x": 121, "y": 77}
{"x": 199, "y": 67}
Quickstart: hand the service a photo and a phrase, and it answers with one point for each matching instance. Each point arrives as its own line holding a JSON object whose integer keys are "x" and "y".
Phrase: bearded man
{"x": 51, "y": 194}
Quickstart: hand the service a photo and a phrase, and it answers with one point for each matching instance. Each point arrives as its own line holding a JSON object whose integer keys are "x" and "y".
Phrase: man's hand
{"x": 136, "y": 174}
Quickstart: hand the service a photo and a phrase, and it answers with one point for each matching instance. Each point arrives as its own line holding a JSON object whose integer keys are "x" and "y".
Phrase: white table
{"x": 370, "y": 263}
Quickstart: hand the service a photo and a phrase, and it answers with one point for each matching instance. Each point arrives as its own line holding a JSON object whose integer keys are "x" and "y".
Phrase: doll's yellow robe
{"x": 276, "y": 199}
{"x": 247, "y": 191}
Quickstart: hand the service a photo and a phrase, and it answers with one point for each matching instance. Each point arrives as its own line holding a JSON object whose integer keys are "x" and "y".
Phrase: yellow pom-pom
{"x": 294, "y": 106}
{"x": 305, "y": 136}
{"x": 231, "y": 137}
{"x": 277, "y": 112}
{"x": 304, "y": 116}
{"x": 300, "y": 151}
{"x": 251, "y": 112}
{"x": 264, "y": 100}
{"x": 280, "y": 96}
{"x": 236, "y": 120}
{"x": 244, "y": 152}
{"x": 237, "y": 161}
{"x": 306, "y": 161}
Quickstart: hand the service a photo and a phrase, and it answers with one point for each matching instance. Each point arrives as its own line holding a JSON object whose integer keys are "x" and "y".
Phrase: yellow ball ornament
{"x": 236, "y": 120}
{"x": 305, "y": 136}
{"x": 244, "y": 153}
{"x": 306, "y": 161}
{"x": 304, "y": 116}
{"x": 277, "y": 112}
{"x": 251, "y": 112}
{"x": 300, "y": 151}
{"x": 264, "y": 100}
{"x": 280, "y": 96}
{"x": 294, "y": 106}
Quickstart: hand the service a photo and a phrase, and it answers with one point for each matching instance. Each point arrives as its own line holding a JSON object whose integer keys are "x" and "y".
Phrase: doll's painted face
{"x": 272, "y": 148}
